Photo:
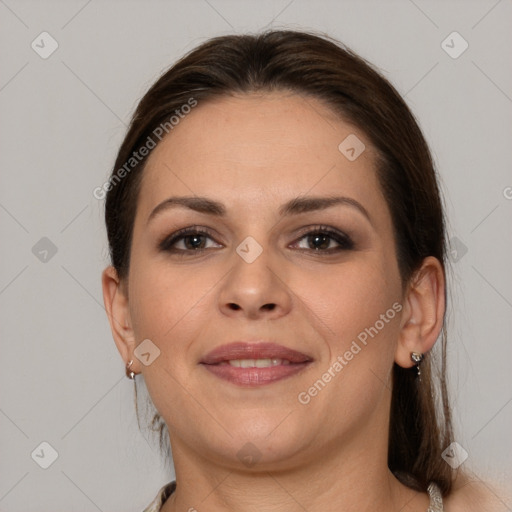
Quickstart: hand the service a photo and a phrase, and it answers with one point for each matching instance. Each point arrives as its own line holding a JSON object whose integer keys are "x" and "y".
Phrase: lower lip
{"x": 252, "y": 377}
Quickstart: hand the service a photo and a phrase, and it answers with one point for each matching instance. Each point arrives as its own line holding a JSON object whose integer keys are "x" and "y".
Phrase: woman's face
{"x": 276, "y": 265}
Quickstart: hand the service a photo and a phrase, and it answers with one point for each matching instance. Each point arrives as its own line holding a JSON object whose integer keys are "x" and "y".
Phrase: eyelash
{"x": 344, "y": 241}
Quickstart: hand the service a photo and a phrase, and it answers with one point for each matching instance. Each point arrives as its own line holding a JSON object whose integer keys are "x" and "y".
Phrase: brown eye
{"x": 191, "y": 240}
{"x": 323, "y": 239}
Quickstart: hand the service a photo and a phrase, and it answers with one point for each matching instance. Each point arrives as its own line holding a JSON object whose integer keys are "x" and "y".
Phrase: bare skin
{"x": 253, "y": 154}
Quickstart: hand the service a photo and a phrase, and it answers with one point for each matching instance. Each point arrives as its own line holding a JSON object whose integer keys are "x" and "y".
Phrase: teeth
{"x": 257, "y": 363}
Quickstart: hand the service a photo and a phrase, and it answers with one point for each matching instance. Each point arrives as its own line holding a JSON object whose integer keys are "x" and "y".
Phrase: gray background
{"x": 62, "y": 119}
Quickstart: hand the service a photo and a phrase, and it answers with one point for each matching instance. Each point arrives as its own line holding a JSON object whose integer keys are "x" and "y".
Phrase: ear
{"x": 115, "y": 297}
{"x": 423, "y": 315}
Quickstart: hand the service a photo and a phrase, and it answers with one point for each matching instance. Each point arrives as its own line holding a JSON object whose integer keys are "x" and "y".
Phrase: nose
{"x": 256, "y": 290}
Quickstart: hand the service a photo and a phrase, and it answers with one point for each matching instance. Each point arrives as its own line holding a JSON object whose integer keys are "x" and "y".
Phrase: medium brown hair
{"x": 322, "y": 68}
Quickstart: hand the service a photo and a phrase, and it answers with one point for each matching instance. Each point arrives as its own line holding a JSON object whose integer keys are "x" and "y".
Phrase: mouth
{"x": 254, "y": 363}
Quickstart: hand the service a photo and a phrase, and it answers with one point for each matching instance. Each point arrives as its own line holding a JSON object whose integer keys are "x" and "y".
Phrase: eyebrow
{"x": 292, "y": 207}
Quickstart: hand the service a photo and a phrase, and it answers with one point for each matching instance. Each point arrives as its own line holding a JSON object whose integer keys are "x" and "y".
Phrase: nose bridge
{"x": 255, "y": 243}
{"x": 252, "y": 285}
{"x": 251, "y": 262}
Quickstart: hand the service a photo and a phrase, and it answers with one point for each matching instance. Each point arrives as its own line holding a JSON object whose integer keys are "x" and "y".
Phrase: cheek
{"x": 163, "y": 300}
{"x": 350, "y": 297}
{"x": 360, "y": 305}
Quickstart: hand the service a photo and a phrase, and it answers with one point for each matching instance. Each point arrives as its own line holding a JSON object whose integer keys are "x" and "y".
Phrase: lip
{"x": 216, "y": 362}
{"x": 254, "y": 350}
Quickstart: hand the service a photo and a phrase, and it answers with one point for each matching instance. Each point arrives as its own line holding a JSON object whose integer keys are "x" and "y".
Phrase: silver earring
{"x": 417, "y": 358}
{"x": 129, "y": 373}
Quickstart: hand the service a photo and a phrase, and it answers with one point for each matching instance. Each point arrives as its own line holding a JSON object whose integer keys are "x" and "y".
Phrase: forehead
{"x": 263, "y": 146}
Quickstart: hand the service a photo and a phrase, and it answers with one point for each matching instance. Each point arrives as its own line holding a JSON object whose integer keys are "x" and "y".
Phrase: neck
{"x": 352, "y": 478}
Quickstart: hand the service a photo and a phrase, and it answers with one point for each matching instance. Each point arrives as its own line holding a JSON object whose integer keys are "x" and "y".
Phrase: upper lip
{"x": 254, "y": 350}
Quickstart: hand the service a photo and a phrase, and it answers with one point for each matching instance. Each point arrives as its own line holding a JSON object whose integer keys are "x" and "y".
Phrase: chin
{"x": 263, "y": 441}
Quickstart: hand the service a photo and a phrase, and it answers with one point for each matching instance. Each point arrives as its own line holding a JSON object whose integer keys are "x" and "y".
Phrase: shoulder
{"x": 470, "y": 494}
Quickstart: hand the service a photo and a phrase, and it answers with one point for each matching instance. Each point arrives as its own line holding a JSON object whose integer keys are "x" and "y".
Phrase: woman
{"x": 278, "y": 278}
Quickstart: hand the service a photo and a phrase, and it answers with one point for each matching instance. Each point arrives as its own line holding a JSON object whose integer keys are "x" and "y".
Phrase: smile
{"x": 254, "y": 364}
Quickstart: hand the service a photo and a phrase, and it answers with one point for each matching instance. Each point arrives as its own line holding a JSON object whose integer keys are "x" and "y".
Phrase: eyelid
{"x": 313, "y": 228}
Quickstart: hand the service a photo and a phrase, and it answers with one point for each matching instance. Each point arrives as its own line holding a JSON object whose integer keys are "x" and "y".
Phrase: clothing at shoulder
{"x": 436, "y": 500}
{"x": 163, "y": 494}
